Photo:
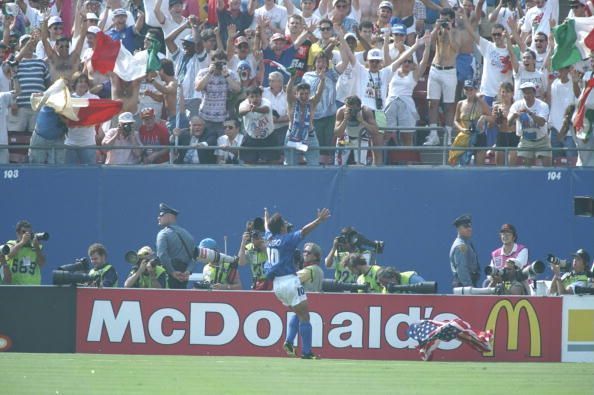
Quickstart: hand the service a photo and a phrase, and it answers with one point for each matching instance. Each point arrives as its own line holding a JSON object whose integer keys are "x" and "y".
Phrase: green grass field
{"x": 125, "y": 374}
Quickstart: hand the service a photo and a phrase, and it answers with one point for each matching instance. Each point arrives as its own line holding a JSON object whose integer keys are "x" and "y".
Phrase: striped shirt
{"x": 32, "y": 75}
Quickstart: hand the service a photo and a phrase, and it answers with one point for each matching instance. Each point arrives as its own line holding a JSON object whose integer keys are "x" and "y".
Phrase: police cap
{"x": 465, "y": 219}
{"x": 165, "y": 209}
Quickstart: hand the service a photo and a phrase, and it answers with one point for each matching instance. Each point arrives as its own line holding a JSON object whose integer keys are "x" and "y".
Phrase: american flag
{"x": 430, "y": 333}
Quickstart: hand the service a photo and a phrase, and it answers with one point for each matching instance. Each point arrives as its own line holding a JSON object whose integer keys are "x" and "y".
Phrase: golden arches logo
{"x": 513, "y": 318}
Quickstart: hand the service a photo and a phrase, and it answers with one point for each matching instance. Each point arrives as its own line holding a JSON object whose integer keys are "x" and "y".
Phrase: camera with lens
{"x": 563, "y": 264}
{"x": 219, "y": 65}
{"x": 356, "y": 239}
{"x": 4, "y": 249}
{"x": 498, "y": 290}
{"x": 203, "y": 284}
{"x": 132, "y": 258}
{"x": 41, "y": 236}
{"x": 329, "y": 285}
{"x": 255, "y": 228}
{"x": 426, "y": 287}
{"x": 499, "y": 117}
{"x": 127, "y": 129}
{"x": 74, "y": 273}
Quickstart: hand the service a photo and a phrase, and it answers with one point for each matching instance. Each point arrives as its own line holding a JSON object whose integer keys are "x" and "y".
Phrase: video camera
{"x": 426, "y": 287}
{"x": 329, "y": 285}
{"x": 73, "y": 273}
{"x": 354, "y": 238}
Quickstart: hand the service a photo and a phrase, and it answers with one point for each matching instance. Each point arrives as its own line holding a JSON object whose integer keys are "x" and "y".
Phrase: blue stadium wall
{"x": 411, "y": 209}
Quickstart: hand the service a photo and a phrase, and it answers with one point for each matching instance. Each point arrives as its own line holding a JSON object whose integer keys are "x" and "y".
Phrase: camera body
{"x": 127, "y": 129}
{"x": 202, "y": 284}
{"x": 74, "y": 273}
{"x": 359, "y": 241}
{"x": 219, "y": 65}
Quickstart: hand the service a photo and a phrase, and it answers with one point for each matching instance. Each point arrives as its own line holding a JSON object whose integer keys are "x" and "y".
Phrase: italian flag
{"x": 574, "y": 39}
{"x": 110, "y": 55}
{"x": 79, "y": 111}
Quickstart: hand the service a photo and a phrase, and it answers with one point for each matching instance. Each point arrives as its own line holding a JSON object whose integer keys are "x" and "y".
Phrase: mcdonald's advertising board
{"x": 349, "y": 326}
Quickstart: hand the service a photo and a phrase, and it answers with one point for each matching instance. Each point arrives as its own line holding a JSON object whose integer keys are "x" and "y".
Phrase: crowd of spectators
{"x": 298, "y": 75}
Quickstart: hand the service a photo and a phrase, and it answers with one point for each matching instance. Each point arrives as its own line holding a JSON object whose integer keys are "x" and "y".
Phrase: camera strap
{"x": 183, "y": 243}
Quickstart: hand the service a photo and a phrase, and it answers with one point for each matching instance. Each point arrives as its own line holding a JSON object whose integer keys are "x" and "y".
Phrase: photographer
{"x": 25, "y": 258}
{"x": 105, "y": 274}
{"x": 388, "y": 276}
{"x": 341, "y": 248}
{"x": 363, "y": 272}
{"x": 355, "y": 124}
{"x": 123, "y": 135}
{"x": 253, "y": 252}
{"x": 148, "y": 272}
{"x": 509, "y": 278}
{"x": 222, "y": 276}
{"x": 563, "y": 284}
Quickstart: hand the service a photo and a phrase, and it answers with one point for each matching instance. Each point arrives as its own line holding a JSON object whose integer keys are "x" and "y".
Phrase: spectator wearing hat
{"x": 55, "y": 27}
{"x": 463, "y": 256}
{"x": 345, "y": 13}
{"x": 510, "y": 255}
{"x": 81, "y": 136}
{"x": 220, "y": 276}
{"x": 187, "y": 64}
{"x": 234, "y": 18}
{"x": 123, "y": 135}
{"x": 106, "y": 13}
{"x": 239, "y": 51}
{"x": 175, "y": 248}
{"x": 279, "y": 52}
{"x": 62, "y": 62}
{"x": 153, "y": 132}
{"x": 384, "y": 15}
{"x": 563, "y": 284}
{"x": 469, "y": 120}
{"x": 399, "y": 43}
{"x": 146, "y": 272}
{"x": 231, "y": 139}
{"x": 531, "y": 116}
{"x": 579, "y": 9}
{"x": 32, "y": 75}
{"x": 85, "y": 21}
{"x": 128, "y": 35}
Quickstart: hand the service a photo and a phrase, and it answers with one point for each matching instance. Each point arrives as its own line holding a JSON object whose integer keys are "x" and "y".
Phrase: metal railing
{"x": 444, "y": 149}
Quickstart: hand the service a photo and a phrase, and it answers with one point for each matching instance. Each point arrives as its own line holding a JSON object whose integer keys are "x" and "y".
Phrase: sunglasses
{"x": 229, "y": 126}
{"x": 341, "y": 6}
{"x": 325, "y": 29}
{"x": 496, "y": 34}
{"x": 408, "y": 61}
{"x": 539, "y": 41}
{"x": 58, "y": 27}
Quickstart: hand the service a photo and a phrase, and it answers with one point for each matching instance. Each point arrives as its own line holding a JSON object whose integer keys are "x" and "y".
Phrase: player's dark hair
{"x": 275, "y": 223}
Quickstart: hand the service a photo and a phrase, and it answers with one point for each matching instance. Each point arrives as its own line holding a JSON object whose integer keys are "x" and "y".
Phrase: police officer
{"x": 25, "y": 258}
{"x": 105, "y": 274}
{"x": 174, "y": 248}
{"x": 463, "y": 256}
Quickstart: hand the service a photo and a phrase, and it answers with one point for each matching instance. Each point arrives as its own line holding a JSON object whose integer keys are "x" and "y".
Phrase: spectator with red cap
{"x": 153, "y": 132}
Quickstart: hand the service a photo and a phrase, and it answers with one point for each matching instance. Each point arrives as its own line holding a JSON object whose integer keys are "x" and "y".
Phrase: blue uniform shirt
{"x": 280, "y": 250}
{"x": 464, "y": 263}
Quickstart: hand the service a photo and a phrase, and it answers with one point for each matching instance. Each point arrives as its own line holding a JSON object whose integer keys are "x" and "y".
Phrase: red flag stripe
{"x": 98, "y": 111}
{"x": 105, "y": 53}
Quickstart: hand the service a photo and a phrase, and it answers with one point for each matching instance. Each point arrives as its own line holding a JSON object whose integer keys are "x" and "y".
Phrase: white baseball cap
{"x": 126, "y": 117}
{"x": 93, "y": 29}
{"x": 53, "y": 20}
{"x": 375, "y": 54}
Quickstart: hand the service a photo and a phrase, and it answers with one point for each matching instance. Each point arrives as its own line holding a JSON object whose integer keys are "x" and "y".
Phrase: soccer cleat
{"x": 309, "y": 356}
{"x": 432, "y": 139}
{"x": 289, "y": 349}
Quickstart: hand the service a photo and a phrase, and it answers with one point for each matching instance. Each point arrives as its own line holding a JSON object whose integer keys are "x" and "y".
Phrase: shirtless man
{"x": 168, "y": 89}
{"x": 403, "y": 13}
{"x": 442, "y": 75}
{"x": 126, "y": 92}
{"x": 61, "y": 63}
{"x": 464, "y": 60}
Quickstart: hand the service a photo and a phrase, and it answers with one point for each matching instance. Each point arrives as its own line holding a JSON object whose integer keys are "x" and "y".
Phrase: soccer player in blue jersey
{"x": 280, "y": 247}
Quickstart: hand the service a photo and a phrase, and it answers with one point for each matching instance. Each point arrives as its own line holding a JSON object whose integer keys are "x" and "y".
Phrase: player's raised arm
{"x": 323, "y": 215}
